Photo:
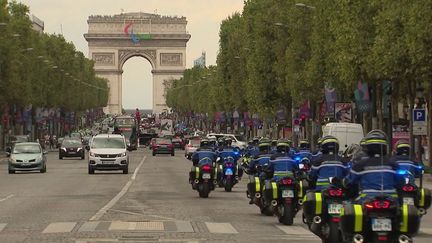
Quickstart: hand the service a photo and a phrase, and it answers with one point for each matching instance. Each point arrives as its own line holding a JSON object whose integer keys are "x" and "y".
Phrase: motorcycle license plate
{"x": 408, "y": 200}
{"x": 287, "y": 193}
{"x": 228, "y": 172}
{"x": 206, "y": 176}
{"x": 381, "y": 225}
{"x": 334, "y": 208}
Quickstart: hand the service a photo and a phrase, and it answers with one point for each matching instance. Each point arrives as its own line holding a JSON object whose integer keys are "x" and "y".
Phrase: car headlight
{"x": 122, "y": 154}
{"x": 78, "y": 149}
{"x": 63, "y": 148}
{"x": 92, "y": 154}
{"x": 38, "y": 159}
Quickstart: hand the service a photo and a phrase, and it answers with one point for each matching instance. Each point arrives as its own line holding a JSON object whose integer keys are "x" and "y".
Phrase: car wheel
{"x": 11, "y": 172}
{"x": 172, "y": 153}
{"x": 126, "y": 170}
{"x": 43, "y": 170}
{"x": 83, "y": 156}
{"x": 154, "y": 153}
{"x": 90, "y": 170}
{"x": 60, "y": 157}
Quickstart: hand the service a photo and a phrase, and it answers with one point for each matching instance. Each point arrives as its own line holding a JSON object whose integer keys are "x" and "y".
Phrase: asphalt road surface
{"x": 153, "y": 203}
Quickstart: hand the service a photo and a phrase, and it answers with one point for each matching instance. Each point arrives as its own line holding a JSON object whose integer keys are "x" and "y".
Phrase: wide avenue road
{"x": 153, "y": 203}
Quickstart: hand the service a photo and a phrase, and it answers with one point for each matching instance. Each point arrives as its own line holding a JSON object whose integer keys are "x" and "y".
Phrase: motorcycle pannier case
{"x": 254, "y": 186}
{"x": 270, "y": 191}
{"x": 352, "y": 218}
{"x": 312, "y": 205}
{"x": 410, "y": 220}
{"x": 424, "y": 198}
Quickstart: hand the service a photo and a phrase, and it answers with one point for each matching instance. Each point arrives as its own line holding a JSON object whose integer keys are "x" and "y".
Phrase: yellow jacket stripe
{"x": 404, "y": 225}
{"x": 197, "y": 172}
{"x": 318, "y": 206}
{"x": 257, "y": 184}
{"x": 422, "y": 198}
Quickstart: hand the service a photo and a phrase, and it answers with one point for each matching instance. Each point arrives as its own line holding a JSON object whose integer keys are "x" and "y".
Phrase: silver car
{"x": 26, "y": 157}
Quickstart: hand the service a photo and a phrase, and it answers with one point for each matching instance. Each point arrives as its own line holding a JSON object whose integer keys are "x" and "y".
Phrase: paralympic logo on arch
{"x": 135, "y": 37}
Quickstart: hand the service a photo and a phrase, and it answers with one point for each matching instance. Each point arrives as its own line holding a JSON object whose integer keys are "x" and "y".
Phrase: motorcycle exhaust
{"x": 358, "y": 238}
{"x": 300, "y": 201}
{"x": 196, "y": 181}
{"x": 317, "y": 220}
{"x": 422, "y": 211}
{"x": 404, "y": 239}
{"x": 274, "y": 203}
{"x": 257, "y": 195}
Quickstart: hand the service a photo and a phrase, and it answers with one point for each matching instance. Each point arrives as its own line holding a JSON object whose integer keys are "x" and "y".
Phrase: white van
{"x": 346, "y": 133}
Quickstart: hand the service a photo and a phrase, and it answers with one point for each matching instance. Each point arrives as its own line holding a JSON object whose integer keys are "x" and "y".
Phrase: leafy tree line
{"x": 278, "y": 53}
{"x": 41, "y": 69}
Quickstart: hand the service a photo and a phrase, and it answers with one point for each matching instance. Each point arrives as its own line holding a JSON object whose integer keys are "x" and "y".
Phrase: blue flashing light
{"x": 236, "y": 153}
{"x": 402, "y": 172}
{"x": 229, "y": 170}
{"x": 297, "y": 158}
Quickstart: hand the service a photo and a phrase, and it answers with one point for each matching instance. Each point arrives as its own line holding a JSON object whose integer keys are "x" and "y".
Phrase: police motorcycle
{"x": 377, "y": 214}
{"x": 202, "y": 175}
{"x": 323, "y": 203}
{"x": 283, "y": 191}
{"x": 408, "y": 192}
{"x": 257, "y": 175}
{"x": 228, "y": 177}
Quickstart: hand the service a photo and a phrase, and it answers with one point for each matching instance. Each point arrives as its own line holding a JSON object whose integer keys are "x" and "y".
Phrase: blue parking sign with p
{"x": 419, "y": 115}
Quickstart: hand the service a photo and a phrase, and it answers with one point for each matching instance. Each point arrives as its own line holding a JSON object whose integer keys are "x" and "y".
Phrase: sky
{"x": 204, "y": 17}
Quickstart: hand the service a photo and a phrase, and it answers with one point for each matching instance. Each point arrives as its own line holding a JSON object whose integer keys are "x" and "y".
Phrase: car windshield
{"x": 163, "y": 140}
{"x": 72, "y": 143}
{"x": 125, "y": 121}
{"x": 195, "y": 143}
{"x": 240, "y": 138}
{"x": 26, "y": 149}
{"x": 115, "y": 143}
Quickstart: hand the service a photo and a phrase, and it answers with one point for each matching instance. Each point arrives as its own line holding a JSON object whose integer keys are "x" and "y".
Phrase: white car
{"x": 235, "y": 139}
{"x": 108, "y": 152}
{"x": 191, "y": 147}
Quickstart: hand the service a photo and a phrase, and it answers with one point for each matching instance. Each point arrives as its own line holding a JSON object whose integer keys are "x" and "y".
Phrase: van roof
{"x": 106, "y": 135}
{"x": 343, "y": 124}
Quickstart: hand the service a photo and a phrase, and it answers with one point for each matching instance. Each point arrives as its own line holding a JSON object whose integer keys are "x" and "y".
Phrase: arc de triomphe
{"x": 160, "y": 39}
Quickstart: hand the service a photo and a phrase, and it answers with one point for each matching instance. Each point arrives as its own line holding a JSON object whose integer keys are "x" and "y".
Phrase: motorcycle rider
{"x": 224, "y": 152}
{"x": 280, "y": 165}
{"x": 327, "y": 165}
{"x": 203, "y": 155}
{"x": 405, "y": 162}
{"x": 254, "y": 168}
{"x": 303, "y": 154}
{"x": 374, "y": 174}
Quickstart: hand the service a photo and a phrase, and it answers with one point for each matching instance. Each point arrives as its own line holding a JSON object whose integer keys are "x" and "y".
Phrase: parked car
{"x": 71, "y": 148}
{"x": 191, "y": 147}
{"x": 108, "y": 152}
{"x": 26, "y": 157}
{"x": 178, "y": 143}
{"x": 163, "y": 146}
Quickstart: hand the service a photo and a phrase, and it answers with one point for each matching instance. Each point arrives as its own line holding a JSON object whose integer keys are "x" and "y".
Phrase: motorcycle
{"x": 287, "y": 198}
{"x": 379, "y": 219}
{"x": 325, "y": 223}
{"x": 204, "y": 180}
{"x": 411, "y": 194}
{"x": 229, "y": 177}
{"x": 257, "y": 188}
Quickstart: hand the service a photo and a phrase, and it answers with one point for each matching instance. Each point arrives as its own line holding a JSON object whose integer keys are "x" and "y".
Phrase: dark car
{"x": 71, "y": 148}
{"x": 163, "y": 146}
{"x": 178, "y": 143}
{"x": 59, "y": 142}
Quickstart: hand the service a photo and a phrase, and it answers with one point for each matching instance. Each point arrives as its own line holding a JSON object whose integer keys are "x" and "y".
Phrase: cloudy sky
{"x": 204, "y": 18}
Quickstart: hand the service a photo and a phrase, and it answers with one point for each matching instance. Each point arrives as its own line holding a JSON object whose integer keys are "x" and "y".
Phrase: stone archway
{"x": 162, "y": 40}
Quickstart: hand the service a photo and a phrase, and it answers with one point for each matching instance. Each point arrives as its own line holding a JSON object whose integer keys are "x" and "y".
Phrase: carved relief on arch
{"x": 124, "y": 55}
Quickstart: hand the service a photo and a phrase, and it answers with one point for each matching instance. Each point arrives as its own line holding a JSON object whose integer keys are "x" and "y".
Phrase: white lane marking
{"x": 140, "y": 226}
{"x": 221, "y": 228}
{"x": 60, "y": 227}
{"x": 294, "y": 230}
{"x": 2, "y": 226}
{"x": 88, "y": 226}
{"x": 184, "y": 227}
{"x": 6, "y": 198}
{"x": 113, "y": 201}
